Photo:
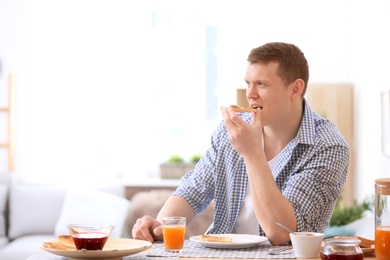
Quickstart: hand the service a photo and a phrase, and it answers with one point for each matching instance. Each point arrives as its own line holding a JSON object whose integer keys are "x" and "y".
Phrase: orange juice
{"x": 174, "y": 237}
{"x": 382, "y": 242}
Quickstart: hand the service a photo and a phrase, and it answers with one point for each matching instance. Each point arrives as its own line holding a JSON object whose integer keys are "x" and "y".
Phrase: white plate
{"x": 239, "y": 241}
{"x": 115, "y": 248}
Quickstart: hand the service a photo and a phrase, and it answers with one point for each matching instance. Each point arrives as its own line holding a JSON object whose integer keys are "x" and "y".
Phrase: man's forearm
{"x": 176, "y": 206}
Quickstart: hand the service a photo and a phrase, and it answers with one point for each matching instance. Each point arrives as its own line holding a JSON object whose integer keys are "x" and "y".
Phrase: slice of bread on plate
{"x": 211, "y": 238}
{"x": 64, "y": 242}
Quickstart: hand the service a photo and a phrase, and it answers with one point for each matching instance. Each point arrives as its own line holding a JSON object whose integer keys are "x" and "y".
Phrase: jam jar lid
{"x": 342, "y": 241}
{"x": 382, "y": 186}
{"x": 383, "y": 181}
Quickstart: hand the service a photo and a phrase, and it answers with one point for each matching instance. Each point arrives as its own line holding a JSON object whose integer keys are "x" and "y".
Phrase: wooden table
{"x": 192, "y": 251}
{"x": 48, "y": 256}
{"x": 365, "y": 258}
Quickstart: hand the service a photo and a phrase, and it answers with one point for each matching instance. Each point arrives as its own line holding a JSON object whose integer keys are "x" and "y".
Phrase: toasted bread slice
{"x": 58, "y": 246}
{"x": 211, "y": 238}
{"x": 243, "y": 109}
{"x": 64, "y": 242}
{"x": 365, "y": 242}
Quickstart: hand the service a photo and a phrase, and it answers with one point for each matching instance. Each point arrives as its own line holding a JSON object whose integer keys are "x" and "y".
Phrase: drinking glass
{"x": 174, "y": 229}
{"x": 382, "y": 219}
{"x": 90, "y": 236}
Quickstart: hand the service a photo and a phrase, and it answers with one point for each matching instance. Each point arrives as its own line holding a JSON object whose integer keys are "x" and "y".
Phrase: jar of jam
{"x": 382, "y": 219}
{"x": 341, "y": 249}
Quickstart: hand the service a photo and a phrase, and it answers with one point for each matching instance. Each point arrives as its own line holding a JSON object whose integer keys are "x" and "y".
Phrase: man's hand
{"x": 147, "y": 228}
{"x": 247, "y": 139}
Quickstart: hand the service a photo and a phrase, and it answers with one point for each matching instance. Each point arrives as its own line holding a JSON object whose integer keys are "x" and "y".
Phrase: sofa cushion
{"x": 92, "y": 206}
{"x": 3, "y": 241}
{"x": 34, "y": 209}
{"x": 150, "y": 202}
{"x": 3, "y": 208}
{"x": 24, "y": 247}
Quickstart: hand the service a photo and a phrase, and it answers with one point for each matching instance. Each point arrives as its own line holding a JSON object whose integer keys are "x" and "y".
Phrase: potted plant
{"x": 343, "y": 215}
{"x": 176, "y": 167}
{"x": 196, "y": 158}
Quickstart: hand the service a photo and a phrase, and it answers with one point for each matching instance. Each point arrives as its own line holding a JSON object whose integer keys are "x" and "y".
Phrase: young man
{"x": 283, "y": 163}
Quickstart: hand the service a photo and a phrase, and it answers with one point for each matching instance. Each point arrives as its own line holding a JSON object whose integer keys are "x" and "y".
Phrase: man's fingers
{"x": 158, "y": 233}
{"x": 231, "y": 119}
{"x": 256, "y": 116}
{"x": 146, "y": 234}
{"x": 144, "y": 228}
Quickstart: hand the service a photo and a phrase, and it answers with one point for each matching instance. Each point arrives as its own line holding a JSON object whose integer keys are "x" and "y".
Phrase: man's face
{"x": 266, "y": 89}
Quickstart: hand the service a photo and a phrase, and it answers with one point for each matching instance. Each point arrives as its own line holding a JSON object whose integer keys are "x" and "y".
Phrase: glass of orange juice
{"x": 382, "y": 242}
{"x": 382, "y": 219}
{"x": 174, "y": 229}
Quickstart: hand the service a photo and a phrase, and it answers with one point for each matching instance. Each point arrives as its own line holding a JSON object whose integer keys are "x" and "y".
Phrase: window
{"x": 112, "y": 88}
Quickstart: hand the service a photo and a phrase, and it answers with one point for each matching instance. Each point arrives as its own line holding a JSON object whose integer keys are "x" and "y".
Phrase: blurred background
{"x": 109, "y": 90}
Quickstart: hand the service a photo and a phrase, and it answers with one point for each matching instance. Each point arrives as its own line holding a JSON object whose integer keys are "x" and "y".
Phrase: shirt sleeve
{"x": 314, "y": 188}
{"x": 197, "y": 186}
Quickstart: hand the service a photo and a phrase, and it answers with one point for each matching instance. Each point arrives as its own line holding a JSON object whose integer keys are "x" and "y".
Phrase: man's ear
{"x": 297, "y": 88}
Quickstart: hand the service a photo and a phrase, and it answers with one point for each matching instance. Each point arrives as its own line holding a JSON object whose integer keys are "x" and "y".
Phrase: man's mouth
{"x": 256, "y": 107}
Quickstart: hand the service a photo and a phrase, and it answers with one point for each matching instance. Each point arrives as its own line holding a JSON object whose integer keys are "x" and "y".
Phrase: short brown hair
{"x": 292, "y": 62}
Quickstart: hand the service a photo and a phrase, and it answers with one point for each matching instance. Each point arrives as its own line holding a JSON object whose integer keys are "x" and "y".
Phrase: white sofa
{"x": 32, "y": 214}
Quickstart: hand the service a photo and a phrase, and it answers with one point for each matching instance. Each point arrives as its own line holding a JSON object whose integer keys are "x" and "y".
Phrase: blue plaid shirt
{"x": 310, "y": 172}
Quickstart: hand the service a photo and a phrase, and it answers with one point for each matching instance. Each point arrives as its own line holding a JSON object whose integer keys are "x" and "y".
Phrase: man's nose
{"x": 251, "y": 93}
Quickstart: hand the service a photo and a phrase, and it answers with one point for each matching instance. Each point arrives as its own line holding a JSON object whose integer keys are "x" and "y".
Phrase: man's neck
{"x": 276, "y": 137}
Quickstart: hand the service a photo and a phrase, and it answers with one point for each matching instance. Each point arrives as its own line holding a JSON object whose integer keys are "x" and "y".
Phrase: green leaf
{"x": 343, "y": 215}
{"x": 196, "y": 158}
{"x": 175, "y": 158}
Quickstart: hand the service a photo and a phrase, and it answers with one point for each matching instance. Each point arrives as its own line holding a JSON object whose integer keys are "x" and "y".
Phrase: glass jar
{"x": 382, "y": 219}
{"x": 341, "y": 249}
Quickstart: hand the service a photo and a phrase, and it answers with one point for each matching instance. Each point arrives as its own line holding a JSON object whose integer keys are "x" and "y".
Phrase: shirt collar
{"x": 306, "y": 132}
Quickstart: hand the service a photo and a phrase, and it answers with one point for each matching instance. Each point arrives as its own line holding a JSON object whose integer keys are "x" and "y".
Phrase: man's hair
{"x": 292, "y": 62}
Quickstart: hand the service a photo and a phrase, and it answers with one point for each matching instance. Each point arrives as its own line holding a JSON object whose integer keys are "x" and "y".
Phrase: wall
{"x": 368, "y": 69}
{"x": 344, "y": 42}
